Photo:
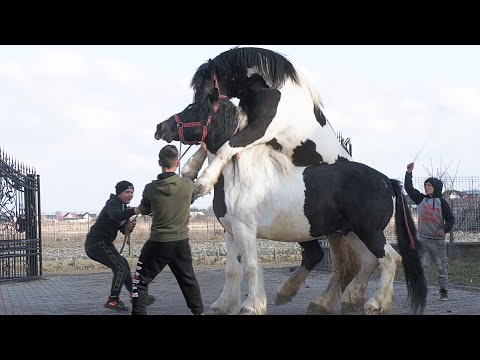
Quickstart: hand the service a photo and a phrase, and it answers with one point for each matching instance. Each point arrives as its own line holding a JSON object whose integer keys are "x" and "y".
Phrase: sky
{"x": 84, "y": 116}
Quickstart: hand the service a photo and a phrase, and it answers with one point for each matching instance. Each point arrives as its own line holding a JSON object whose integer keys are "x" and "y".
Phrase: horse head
{"x": 213, "y": 123}
{"x": 231, "y": 73}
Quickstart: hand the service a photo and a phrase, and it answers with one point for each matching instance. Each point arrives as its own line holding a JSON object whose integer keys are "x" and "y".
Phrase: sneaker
{"x": 115, "y": 304}
{"x": 443, "y": 294}
{"x": 150, "y": 299}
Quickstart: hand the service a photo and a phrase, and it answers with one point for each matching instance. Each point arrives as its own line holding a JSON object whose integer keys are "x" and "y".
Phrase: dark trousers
{"x": 107, "y": 254}
{"x": 153, "y": 258}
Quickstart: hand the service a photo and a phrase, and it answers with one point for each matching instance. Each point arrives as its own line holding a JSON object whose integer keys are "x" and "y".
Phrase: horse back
{"x": 349, "y": 196}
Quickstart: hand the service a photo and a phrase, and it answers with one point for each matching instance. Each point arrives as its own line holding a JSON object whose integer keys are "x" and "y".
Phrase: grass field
{"x": 461, "y": 272}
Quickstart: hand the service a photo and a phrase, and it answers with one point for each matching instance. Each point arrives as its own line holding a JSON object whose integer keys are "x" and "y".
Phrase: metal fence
{"x": 60, "y": 232}
{"x": 20, "y": 225}
{"x": 463, "y": 196}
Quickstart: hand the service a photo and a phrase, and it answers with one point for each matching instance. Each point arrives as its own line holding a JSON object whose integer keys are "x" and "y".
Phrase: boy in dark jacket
{"x": 99, "y": 245}
{"x": 435, "y": 219}
{"x": 168, "y": 199}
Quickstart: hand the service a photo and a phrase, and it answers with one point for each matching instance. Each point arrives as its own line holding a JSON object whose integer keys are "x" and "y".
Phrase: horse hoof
{"x": 372, "y": 312}
{"x": 200, "y": 190}
{"x": 252, "y": 311}
{"x": 195, "y": 196}
{"x": 346, "y": 308}
{"x": 316, "y": 308}
{"x": 282, "y": 299}
{"x": 217, "y": 312}
{"x": 372, "y": 309}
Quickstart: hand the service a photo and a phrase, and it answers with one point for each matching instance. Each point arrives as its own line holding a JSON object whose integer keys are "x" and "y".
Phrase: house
{"x": 70, "y": 216}
{"x": 86, "y": 217}
{"x": 453, "y": 194}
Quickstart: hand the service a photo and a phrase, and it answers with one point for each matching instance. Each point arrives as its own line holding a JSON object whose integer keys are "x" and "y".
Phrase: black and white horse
{"x": 280, "y": 105}
{"x": 282, "y": 108}
{"x": 261, "y": 194}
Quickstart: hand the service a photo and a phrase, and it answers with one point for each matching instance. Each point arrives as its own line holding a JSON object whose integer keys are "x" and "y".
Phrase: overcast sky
{"x": 84, "y": 116}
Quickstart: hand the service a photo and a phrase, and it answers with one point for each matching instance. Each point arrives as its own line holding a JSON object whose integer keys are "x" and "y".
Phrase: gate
{"x": 20, "y": 226}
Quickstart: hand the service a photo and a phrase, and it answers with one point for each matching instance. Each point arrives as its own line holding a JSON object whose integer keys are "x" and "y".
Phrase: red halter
{"x": 221, "y": 96}
{"x": 181, "y": 125}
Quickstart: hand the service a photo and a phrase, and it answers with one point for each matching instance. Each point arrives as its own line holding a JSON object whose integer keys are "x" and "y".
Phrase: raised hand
{"x": 410, "y": 167}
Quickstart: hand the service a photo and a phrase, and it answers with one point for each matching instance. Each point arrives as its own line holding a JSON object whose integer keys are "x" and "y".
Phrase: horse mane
{"x": 274, "y": 67}
{"x": 317, "y": 100}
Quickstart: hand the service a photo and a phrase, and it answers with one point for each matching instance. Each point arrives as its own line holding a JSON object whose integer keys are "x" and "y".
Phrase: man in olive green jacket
{"x": 168, "y": 200}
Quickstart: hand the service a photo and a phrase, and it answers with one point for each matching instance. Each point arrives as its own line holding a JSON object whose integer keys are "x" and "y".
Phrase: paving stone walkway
{"x": 84, "y": 294}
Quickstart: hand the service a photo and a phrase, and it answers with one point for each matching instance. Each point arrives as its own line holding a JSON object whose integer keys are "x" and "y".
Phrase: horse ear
{"x": 202, "y": 81}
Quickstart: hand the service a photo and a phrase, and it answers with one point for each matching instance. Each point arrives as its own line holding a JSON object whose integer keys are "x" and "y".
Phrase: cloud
{"x": 84, "y": 117}
{"x": 81, "y": 121}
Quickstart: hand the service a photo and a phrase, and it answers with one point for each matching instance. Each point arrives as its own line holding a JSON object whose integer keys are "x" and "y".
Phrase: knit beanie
{"x": 122, "y": 186}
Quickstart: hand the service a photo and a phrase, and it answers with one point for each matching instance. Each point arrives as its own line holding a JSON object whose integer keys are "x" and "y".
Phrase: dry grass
{"x": 65, "y": 233}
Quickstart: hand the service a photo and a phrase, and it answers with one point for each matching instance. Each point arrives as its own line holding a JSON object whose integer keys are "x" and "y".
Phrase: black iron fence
{"x": 20, "y": 225}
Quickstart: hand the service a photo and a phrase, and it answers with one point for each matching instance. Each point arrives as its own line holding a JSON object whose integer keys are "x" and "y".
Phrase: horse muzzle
{"x": 167, "y": 131}
{"x": 162, "y": 132}
{"x": 168, "y": 137}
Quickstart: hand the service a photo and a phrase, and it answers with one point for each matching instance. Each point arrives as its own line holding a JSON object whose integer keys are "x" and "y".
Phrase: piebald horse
{"x": 255, "y": 76}
{"x": 282, "y": 108}
{"x": 262, "y": 194}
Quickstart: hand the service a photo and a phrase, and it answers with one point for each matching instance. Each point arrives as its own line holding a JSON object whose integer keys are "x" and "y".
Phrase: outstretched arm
{"x": 116, "y": 213}
{"x": 414, "y": 194}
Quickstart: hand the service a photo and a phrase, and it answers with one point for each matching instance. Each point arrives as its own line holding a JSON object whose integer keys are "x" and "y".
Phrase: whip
{"x": 420, "y": 150}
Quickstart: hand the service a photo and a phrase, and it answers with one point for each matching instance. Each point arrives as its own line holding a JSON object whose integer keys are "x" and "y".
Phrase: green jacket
{"x": 168, "y": 199}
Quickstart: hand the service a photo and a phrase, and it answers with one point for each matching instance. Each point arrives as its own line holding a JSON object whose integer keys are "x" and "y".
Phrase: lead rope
{"x": 179, "y": 169}
{"x": 126, "y": 239}
{"x": 412, "y": 241}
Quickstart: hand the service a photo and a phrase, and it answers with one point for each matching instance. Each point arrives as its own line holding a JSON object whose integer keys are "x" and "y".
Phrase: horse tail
{"x": 407, "y": 244}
